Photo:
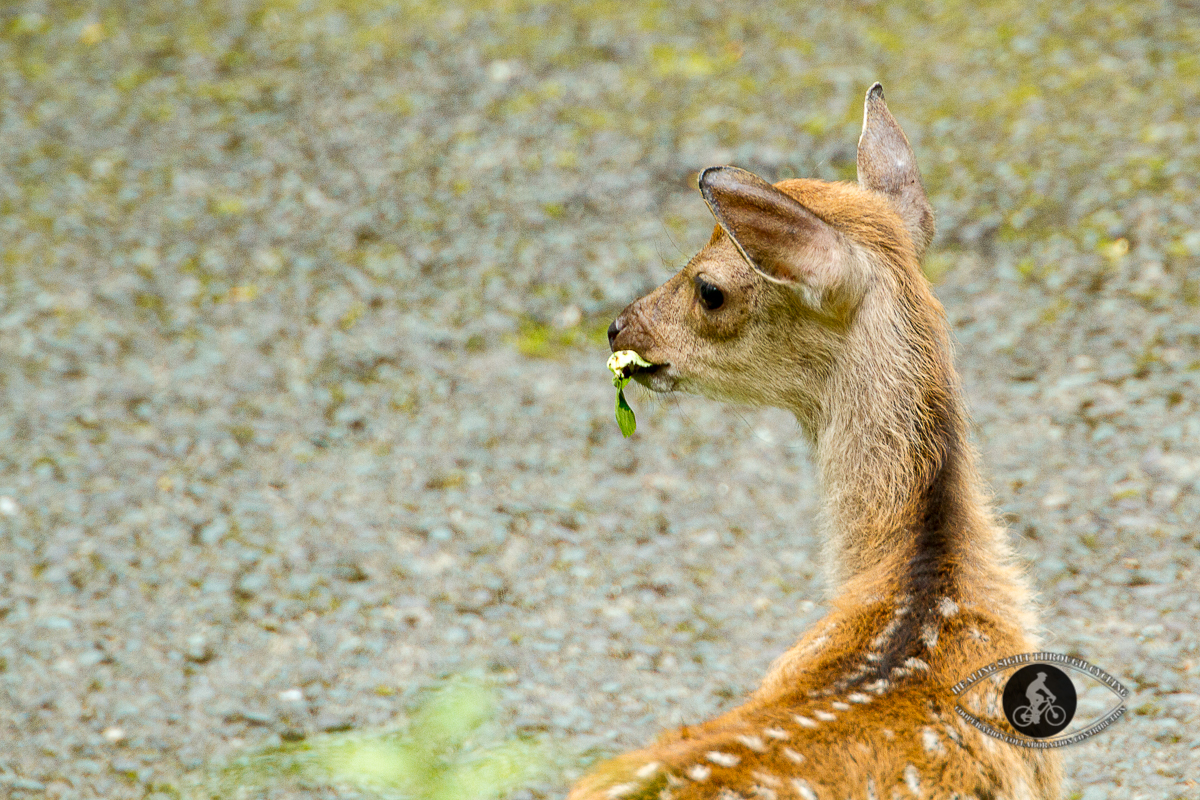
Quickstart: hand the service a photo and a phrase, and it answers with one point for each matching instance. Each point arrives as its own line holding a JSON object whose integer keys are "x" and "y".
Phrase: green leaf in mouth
{"x": 625, "y": 419}
{"x": 621, "y": 363}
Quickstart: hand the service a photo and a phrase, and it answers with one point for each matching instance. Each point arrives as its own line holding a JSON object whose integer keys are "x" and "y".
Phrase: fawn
{"x": 809, "y": 296}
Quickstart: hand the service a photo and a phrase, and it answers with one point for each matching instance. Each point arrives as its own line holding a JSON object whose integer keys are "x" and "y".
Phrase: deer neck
{"x": 904, "y": 510}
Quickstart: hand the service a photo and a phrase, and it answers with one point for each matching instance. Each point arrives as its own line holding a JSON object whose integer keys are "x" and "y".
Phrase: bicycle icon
{"x": 1053, "y": 714}
{"x": 1039, "y": 700}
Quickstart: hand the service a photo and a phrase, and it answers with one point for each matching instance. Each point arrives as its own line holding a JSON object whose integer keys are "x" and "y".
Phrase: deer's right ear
{"x": 780, "y": 238}
{"x": 886, "y": 164}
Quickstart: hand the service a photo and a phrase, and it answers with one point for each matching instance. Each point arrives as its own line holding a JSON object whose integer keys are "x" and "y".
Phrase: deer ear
{"x": 780, "y": 238}
{"x": 886, "y": 164}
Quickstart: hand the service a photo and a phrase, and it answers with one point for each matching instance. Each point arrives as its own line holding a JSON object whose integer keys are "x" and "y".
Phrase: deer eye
{"x": 712, "y": 297}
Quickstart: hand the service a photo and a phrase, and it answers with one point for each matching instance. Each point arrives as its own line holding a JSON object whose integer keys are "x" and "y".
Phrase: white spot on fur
{"x": 880, "y": 640}
{"x": 874, "y": 656}
{"x": 913, "y": 779}
{"x": 763, "y": 792}
{"x": 646, "y": 770}
{"x": 777, "y": 733}
{"x": 804, "y": 789}
{"x": 699, "y": 772}
{"x": 765, "y": 777}
{"x": 888, "y": 734}
{"x": 871, "y": 789}
{"x": 877, "y": 687}
{"x": 947, "y": 607}
{"x": 993, "y": 704}
{"x": 932, "y": 742}
{"x": 793, "y": 756}
{"x": 723, "y": 759}
{"x": 840, "y": 706}
{"x": 804, "y": 721}
{"x": 978, "y": 635}
{"x": 824, "y": 716}
{"x": 621, "y": 790}
{"x": 929, "y": 635}
{"x": 953, "y": 733}
{"x": 858, "y": 697}
{"x": 916, "y": 664}
{"x": 753, "y": 742}
{"x": 729, "y": 794}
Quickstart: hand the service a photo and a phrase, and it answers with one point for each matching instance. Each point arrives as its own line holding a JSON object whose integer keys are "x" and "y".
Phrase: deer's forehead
{"x": 863, "y": 215}
{"x": 720, "y": 259}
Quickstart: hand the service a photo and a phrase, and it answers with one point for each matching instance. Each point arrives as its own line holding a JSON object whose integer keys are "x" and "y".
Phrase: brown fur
{"x": 826, "y": 313}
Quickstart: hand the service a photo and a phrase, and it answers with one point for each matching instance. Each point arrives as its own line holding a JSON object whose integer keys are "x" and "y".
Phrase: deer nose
{"x": 613, "y": 330}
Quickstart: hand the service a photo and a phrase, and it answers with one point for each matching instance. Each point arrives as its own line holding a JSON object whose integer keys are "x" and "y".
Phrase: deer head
{"x": 766, "y": 313}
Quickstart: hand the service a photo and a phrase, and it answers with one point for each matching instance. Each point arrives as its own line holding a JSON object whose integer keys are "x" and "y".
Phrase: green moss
{"x": 937, "y": 264}
{"x": 539, "y": 340}
{"x": 448, "y": 748}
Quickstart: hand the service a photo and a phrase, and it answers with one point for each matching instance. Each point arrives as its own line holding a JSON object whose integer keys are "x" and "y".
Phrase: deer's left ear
{"x": 886, "y": 164}
{"x": 780, "y": 238}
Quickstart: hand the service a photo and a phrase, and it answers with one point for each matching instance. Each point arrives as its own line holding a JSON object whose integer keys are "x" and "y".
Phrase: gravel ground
{"x": 302, "y": 391}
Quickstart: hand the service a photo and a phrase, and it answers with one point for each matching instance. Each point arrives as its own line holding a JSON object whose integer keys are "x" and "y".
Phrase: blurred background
{"x": 303, "y": 403}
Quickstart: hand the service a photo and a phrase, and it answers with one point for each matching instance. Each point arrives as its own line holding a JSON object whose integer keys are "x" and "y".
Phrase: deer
{"x": 810, "y": 297}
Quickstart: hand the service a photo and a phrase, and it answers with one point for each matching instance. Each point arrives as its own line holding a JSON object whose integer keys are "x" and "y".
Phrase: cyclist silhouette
{"x": 1039, "y": 696}
{"x": 1048, "y": 710}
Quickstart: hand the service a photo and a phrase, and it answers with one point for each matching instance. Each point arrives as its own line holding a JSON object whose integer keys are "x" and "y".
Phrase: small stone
{"x": 250, "y": 717}
{"x": 250, "y": 585}
{"x": 501, "y": 71}
{"x": 126, "y": 766}
{"x": 334, "y": 723}
{"x": 26, "y": 784}
{"x": 199, "y": 651}
{"x": 349, "y": 571}
{"x": 1055, "y": 501}
{"x": 569, "y": 317}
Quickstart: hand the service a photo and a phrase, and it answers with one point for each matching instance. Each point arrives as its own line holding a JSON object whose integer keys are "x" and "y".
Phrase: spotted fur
{"x": 826, "y": 313}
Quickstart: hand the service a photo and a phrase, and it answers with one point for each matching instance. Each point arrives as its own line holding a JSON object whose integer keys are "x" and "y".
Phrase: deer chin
{"x": 656, "y": 377}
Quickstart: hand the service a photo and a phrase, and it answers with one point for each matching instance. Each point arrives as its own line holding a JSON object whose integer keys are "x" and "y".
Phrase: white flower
{"x": 620, "y": 362}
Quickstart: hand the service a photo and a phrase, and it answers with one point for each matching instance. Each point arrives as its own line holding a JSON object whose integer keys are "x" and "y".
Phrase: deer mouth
{"x": 627, "y": 365}
{"x": 653, "y": 377}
